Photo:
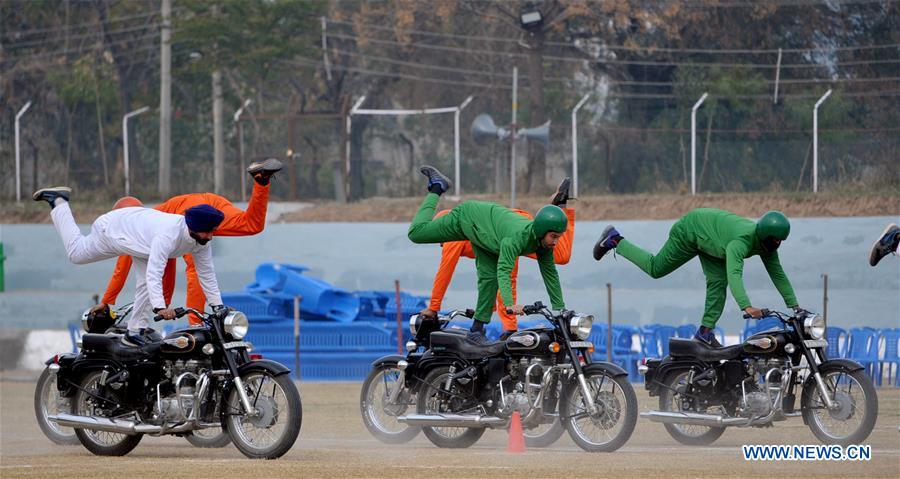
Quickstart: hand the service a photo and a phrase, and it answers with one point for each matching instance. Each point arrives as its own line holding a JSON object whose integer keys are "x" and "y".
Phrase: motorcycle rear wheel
{"x": 47, "y": 403}
{"x": 378, "y": 414}
{"x": 101, "y": 443}
{"x": 689, "y": 435}
{"x": 429, "y": 402}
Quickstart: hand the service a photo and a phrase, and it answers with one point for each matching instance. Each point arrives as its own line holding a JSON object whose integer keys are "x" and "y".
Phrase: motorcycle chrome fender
{"x": 669, "y": 365}
{"x": 390, "y": 359}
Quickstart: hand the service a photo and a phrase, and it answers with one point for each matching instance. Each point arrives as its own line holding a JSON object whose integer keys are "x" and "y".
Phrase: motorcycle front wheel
{"x": 853, "y": 418}
{"x": 274, "y": 428}
{"x": 432, "y": 400}
{"x": 616, "y": 411}
{"x": 87, "y": 403}
{"x": 47, "y": 402}
{"x": 379, "y": 413}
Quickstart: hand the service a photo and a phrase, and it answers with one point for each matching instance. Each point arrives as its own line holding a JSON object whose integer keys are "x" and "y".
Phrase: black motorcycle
{"x": 703, "y": 390}
{"x": 193, "y": 379}
{"x": 543, "y": 373}
{"x": 48, "y": 402}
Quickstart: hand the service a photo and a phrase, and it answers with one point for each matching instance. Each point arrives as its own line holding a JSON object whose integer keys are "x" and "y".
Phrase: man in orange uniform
{"x": 451, "y": 251}
{"x": 236, "y": 223}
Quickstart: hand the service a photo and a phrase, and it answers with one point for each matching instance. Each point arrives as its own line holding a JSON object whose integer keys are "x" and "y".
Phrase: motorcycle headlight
{"x": 85, "y": 322}
{"x": 415, "y": 321}
{"x": 236, "y": 324}
{"x": 814, "y": 325}
{"x": 580, "y": 326}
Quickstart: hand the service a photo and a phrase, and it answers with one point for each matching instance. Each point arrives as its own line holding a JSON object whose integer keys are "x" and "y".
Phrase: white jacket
{"x": 156, "y": 236}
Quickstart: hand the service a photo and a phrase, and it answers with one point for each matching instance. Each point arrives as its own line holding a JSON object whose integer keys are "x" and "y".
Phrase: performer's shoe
{"x": 437, "y": 181}
{"x": 51, "y": 194}
{"x": 609, "y": 239}
{"x": 262, "y": 171}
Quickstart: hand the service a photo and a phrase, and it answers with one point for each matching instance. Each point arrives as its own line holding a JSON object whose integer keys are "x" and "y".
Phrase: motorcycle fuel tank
{"x": 528, "y": 343}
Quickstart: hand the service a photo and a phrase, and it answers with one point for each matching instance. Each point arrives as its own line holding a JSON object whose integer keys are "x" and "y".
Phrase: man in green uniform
{"x": 722, "y": 240}
{"x": 498, "y": 236}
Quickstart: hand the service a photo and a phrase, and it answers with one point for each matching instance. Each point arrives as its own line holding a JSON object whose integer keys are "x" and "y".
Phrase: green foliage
{"x": 251, "y": 35}
{"x": 85, "y": 82}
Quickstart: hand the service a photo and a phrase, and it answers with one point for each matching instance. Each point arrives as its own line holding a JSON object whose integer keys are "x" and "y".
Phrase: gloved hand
{"x": 219, "y": 310}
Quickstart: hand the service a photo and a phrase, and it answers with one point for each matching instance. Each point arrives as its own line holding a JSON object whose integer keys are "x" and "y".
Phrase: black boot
{"x": 708, "y": 337}
{"x": 476, "y": 333}
{"x": 51, "y": 194}
{"x": 438, "y": 183}
{"x": 561, "y": 197}
{"x": 262, "y": 171}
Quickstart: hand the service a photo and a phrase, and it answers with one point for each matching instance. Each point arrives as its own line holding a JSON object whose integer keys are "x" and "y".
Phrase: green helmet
{"x": 550, "y": 218}
{"x": 773, "y": 224}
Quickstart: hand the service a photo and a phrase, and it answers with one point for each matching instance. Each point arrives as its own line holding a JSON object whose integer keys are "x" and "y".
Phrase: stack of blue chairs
{"x": 341, "y": 332}
{"x": 622, "y": 352}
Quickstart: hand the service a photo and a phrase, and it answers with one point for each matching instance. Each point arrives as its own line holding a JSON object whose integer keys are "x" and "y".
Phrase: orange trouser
{"x": 453, "y": 250}
{"x": 236, "y": 223}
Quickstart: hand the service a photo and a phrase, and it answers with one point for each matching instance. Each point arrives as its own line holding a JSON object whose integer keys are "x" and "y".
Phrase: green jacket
{"x": 508, "y": 235}
{"x": 730, "y": 237}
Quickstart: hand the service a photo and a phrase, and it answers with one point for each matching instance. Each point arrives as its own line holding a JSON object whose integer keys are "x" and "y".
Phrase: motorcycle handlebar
{"x": 765, "y": 312}
{"x": 529, "y": 309}
{"x": 179, "y": 312}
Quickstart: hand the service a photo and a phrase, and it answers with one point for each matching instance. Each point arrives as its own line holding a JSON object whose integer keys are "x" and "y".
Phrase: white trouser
{"x": 79, "y": 248}
{"x": 143, "y": 310}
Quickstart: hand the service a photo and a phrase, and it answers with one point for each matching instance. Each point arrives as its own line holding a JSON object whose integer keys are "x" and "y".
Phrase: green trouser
{"x": 486, "y": 270}
{"x": 425, "y": 229}
{"x": 677, "y": 251}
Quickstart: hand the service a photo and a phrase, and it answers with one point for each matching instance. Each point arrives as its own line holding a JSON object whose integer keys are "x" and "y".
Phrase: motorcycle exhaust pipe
{"x": 103, "y": 424}
{"x": 116, "y": 425}
{"x": 452, "y": 420}
{"x": 693, "y": 419}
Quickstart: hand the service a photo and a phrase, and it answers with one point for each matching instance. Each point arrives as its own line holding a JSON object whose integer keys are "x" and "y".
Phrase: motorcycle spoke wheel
{"x": 379, "y": 411}
{"x": 265, "y": 429}
{"x": 849, "y": 416}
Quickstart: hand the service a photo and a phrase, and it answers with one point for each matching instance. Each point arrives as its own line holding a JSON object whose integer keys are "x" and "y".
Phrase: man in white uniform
{"x": 150, "y": 237}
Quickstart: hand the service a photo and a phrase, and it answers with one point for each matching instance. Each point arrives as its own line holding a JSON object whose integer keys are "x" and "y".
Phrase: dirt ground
{"x": 589, "y": 208}
{"x": 334, "y": 443}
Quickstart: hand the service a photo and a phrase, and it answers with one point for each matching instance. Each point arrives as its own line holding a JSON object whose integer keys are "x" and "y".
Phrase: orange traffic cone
{"x": 516, "y": 442}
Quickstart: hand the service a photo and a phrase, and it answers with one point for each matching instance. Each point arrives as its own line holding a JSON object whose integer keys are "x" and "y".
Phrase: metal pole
{"x": 609, "y": 340}
{"x": 2, "y": 260}
{"x": 777, "y": 76}
{"x": 356, "y": 106}
{"x": 399, "y": 320}
{"x": 512, "y": 139}
{"x": 127, "y": 162}
{"x": 694, "y": 143}
{"x": 165, "y": 102}
{"x": 825, "y": 298}
{"x": 816, "y": 140}
{"x": 240, "y": 134}
{"x": 456, "y": 142}
{"x": 297, "y": 300}
{"x": 218, "y": 134}
{"x": 325, "y": 49}
{"x": 18, "y": 153}
{"x": 575, "y": 144}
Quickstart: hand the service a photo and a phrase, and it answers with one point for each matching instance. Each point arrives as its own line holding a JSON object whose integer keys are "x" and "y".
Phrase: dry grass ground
{"x": 334, "y": 444}
{"x": 590, "y": 208}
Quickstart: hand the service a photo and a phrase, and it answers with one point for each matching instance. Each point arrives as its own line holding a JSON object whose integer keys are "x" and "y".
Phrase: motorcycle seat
{"x": 679, "y": 347}
{"x": 113, "y": 344}
{"x": 457, "y": 343}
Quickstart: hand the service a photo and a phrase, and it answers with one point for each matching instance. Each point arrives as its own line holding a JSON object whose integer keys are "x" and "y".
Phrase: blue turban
{"x": 203, "y": 218}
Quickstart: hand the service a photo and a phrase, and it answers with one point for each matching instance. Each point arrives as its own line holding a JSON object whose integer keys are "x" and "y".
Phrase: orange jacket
{"x": 451, "y": 252}
{"x": 236, "y": 223}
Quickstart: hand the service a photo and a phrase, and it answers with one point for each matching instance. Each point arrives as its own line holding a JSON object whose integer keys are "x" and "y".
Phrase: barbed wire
{"x": 648, "y": 48}
{"x": 613, "y": 61}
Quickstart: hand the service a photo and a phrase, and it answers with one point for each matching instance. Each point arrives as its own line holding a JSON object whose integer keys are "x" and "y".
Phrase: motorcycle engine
{"x": 525, "y": 371}
{"x": 175, "y": 401}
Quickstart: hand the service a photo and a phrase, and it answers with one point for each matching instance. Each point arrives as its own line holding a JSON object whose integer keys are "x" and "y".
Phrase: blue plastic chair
{"x": 663, "y": 334}
{"x": 687, "y": 331}
{"x": 75, "y": 332}
{"x": 649, "y": 343}
{"x": 837, "y": 342}
{"x": 891, "y": 337}
{"x": 863, "y": 348}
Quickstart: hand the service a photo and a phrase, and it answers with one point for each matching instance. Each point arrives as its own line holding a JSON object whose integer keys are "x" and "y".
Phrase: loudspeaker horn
{"x": 484, "y": 129}
{"x": 540, "y": 134}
